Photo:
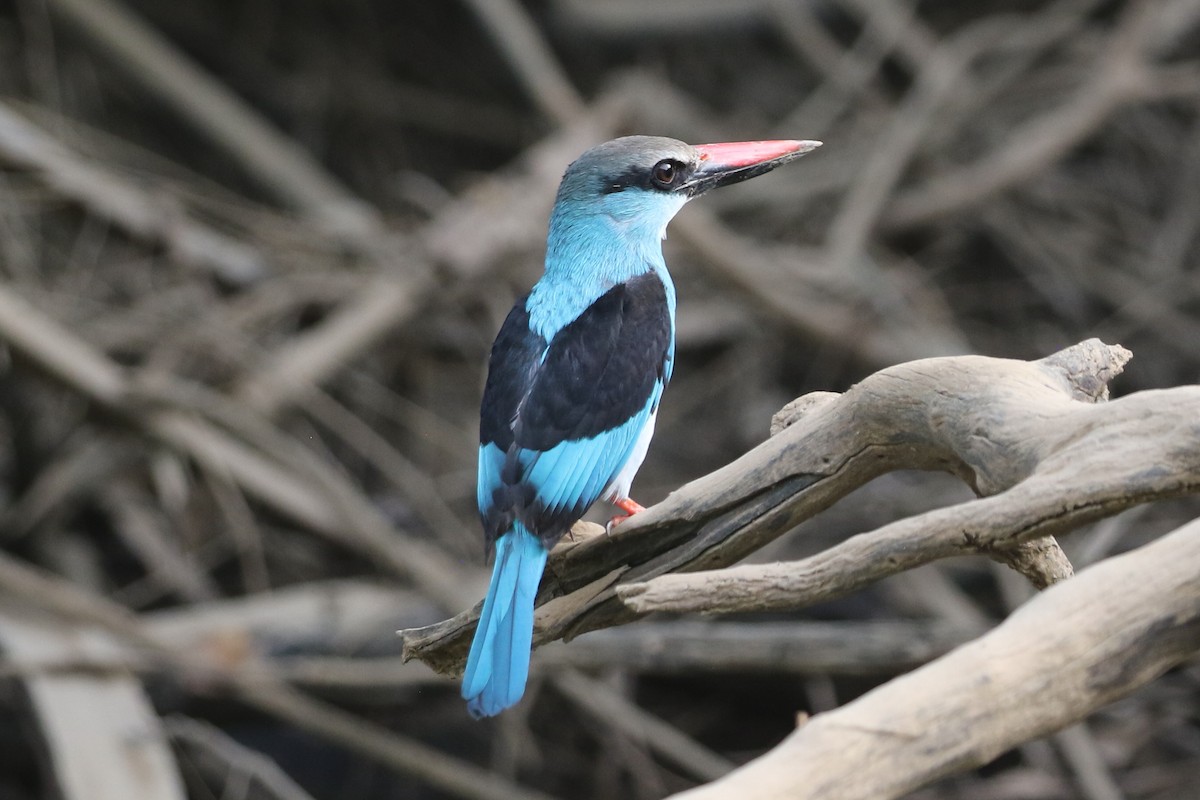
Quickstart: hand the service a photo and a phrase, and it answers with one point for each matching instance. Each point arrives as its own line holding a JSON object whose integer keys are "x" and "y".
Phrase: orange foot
{"x": 630, "y": 507}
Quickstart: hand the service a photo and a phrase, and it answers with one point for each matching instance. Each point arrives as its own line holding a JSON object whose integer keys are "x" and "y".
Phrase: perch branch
{"x": 1024, "y": 427}
{"x": 1083, "y": 462}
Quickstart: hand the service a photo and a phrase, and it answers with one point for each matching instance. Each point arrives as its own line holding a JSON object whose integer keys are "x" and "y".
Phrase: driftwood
{"x": 1079, "y": 645}
{"x": 1047, "y": 453}
{"x": 1015, "y": 430}
{"x": 101, "y": 737}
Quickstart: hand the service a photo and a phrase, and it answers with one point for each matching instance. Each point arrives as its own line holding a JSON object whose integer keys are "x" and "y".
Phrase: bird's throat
{"x": 584, "y": 259}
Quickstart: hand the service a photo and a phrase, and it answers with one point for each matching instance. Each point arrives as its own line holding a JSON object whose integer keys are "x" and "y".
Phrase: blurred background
{"x": 252, "y": 257}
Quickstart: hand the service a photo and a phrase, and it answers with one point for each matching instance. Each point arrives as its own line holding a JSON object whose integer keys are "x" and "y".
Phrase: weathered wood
{"x": 1067, "y": 463}
{"x": 995, "y": 423}
{"x": 101, "y": 736}
{"x": 1075, "y": 647}
{"x": 802, "y": 647}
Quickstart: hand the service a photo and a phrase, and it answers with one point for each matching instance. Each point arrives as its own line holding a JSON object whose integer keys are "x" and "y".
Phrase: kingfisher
{"x": 576, "y": 373}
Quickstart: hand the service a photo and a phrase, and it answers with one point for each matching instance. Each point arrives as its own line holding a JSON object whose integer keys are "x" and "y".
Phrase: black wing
{"x": 599, "y": 372}
{"x": 601, "y": 368}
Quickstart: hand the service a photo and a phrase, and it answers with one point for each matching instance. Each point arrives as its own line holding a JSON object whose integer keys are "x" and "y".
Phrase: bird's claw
{"x": 629, "y": 506}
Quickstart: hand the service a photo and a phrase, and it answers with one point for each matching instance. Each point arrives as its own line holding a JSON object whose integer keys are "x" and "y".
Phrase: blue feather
{"x": 498, "y": 664}
{"x": 491, "y": 462}
{"x": 575, "y": 472}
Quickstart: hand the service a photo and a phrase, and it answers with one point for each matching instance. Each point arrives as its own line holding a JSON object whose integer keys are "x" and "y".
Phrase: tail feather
{"x": 498, "y": 664}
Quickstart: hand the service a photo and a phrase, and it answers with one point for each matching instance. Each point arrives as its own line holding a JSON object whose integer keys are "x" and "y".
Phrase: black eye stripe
{"x": 666, "y": 175}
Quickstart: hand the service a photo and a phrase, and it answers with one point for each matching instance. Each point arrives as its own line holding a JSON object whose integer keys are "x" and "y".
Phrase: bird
{"x": 576, "y": 373}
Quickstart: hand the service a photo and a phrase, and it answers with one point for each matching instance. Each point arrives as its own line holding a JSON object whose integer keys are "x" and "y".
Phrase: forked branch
{"x": 1031, "y": 437}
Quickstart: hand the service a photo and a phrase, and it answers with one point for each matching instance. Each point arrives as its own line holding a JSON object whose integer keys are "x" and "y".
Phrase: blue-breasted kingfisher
{"x": 576, "y": 373}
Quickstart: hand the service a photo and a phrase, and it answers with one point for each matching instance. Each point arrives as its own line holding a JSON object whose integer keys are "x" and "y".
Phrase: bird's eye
{"x": 664, "y": 173}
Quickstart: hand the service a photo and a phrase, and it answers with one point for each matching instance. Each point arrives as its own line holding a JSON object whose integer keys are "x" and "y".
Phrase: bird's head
{"x": 640, "y": 182}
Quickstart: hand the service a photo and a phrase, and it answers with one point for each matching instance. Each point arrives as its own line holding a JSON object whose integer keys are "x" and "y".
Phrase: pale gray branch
{"x": 1052, "y": 461}
{"x": 1030, "y": 434}
{"x": 1072, "y": 649}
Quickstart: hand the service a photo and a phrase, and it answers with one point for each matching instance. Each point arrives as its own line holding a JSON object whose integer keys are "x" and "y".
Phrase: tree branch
{"x": 1029, "y": 433}
{"x": 1070, "y": 650}
{"x": 1067, "y": 463}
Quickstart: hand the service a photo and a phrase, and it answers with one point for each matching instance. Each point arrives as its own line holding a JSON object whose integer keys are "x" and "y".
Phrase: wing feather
{"x": 561, "y": 419}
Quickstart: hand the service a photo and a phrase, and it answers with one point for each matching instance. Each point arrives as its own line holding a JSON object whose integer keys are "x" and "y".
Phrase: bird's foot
{"x": 629, "y": 506}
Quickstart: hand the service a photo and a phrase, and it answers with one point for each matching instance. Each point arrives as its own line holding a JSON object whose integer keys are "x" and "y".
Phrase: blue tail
{"x": 499, "y": 661}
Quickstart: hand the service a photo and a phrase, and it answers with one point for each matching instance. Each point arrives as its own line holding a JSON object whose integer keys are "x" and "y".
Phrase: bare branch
{"x": 1069, "y": 651}
{"x": 1060, "y": 463}
{"x": 254, "y": 683}
{"x": 126, "y": 205}
{"x": 289, "y": 480}
{"x": 1030, "y": 433}
{"x": 275, "y": 160}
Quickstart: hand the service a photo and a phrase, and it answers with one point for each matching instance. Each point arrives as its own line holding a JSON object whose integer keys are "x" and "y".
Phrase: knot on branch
{"x": 797, "y": 408}
{"x": 1089, "y": 367}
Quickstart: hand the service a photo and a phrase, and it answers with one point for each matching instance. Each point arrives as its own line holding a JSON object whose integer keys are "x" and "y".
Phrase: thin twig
{"x": 649, "y": 731}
